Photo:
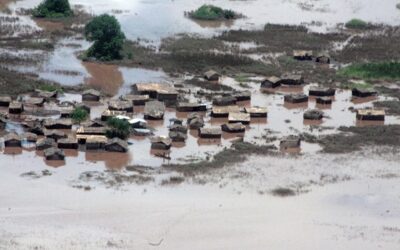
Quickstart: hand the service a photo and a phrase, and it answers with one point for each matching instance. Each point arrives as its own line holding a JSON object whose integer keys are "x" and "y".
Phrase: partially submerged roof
{"x": 5, "y": 98}
{"x": 225, "y": 109}
{"x": 374, "y": 112}
{"x": 12, "y": 137}
{"x": 211, "y": 131}
{"x": 91, "y": 130}
{"x": 301, "y": 53}
{"x": 154, "y": 108}
{"x": 161, "y": 139}
{"x": 91, "y": 92}
{"x": 211, "y": 73}
{"x": 272, "y": 79}
{"x": 155, "y": 87}
{"x": 256, "y": 110}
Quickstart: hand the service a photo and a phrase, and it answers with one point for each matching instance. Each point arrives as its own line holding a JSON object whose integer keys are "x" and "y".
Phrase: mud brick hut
{"x": 257, "y": 112}
{"x": 64, "y": 123}
{"x": 295, "y": 98}
{"x": 95, "y": 142}
{"x": 119, "y": 105}
{"x": 154, "y": 110}
{"x": 242, "y": 96}
{"x": 159, "y": 91}
{"x": 357, "y": 92}
{"x": 313, "y": 114}
{"x": 83, "y": 130}
{"x": 34, "y": 101}
{"x": 29, "y": 137}
{"x": 46, "y": 94}
{"x": 211, "y": 75}
{"x": 324, "y": 100}
{"x": 161, "y": 143}
{"x": 91, "y": 95}
{"x": 323, "y": 59}
{"x": 116, "y": 145}
{"x": 67, "y": 143}
{"x": 191, "y": 107}
{"x": 303, "y": 55}
{"x": 225, "y": 100}
{"x": 54, "y": 154}
{"x": 195, "y": 121}
{"x": 142, "y": 132}
{"x": 15, "y": 108}
{"x": 66, "y": 112}
{"x": 177, "y": 136}
{"x": 5, "y": 101}
{"x": 93, "y": 123}
{"x": 237, "y": 127}
{"x": 12, "y": 140}
{"x": 223, "y": 111}
{"x": 235, "y": 117}
{"x": 290, "y": 142}
{"x": 210, "y": 133}
{"x": 291, "y": 79}
{"x": 107, "y": 114}
{"x": 138, "y": 100}
{"x": 45, "y": 143}
{"x": 321, "y": 91}
{"x": 370, "y": 115}
{"x": 54, "y": 134}
{"x": 271, "y": 82}
{"x": 178, "y": 128}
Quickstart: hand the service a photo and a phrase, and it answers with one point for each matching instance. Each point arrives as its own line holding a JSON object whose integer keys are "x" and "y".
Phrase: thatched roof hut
{"x": 12, "y": 140}
{"x": 370, "y": 115}
{"x": 5, "y": 100}
{"x": 91, "y": 95}
{"x": 15, "y": 107}
{"x": 295, "y": 98}
{"x": 54, "y": 154}
{"x": 154, "y": 110}
{"x": 212, "y": 75}
{"x": 271, "y": 82}
{"x": 119, "y": 105}
{"x": 161, "y": 142}
{"x": 45, "y": 143}
{"x": 235, "y": 117}
{"x": 210, "y": 133}
{"x": 116, "y": 145}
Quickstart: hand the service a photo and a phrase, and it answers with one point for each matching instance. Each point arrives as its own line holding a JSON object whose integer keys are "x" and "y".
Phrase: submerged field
{"x": 242, "y": 191}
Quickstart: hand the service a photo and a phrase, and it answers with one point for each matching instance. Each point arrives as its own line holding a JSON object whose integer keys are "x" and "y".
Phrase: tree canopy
{"x": 53, "y": 9}
{"x": 105, "y": 32}
{"x": 118, "y": 128}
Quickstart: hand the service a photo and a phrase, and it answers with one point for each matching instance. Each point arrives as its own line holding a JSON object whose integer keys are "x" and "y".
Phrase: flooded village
{"x": 246, "y": 124}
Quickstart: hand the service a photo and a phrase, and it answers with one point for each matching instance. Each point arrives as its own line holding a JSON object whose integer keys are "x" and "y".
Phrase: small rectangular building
{"x": 271, "y": 82}
{"x": 12, "y": 140}
{"x": 210, "y": 133}
{"x": 91, "y": 95}
{"x": 154, "y": 110}
{"x": 119, "y": 105}
{"x": 161, "y": 143}
{"x": 370, "y": 115}
{"x": 295, "y": 98}
{"x": 191, "y": 107}
{"x": 159, "y": 91}
{"x": 303, "y": 55}
{"x": 64, "y": 123}
{"x": 233, "y": 127}
{"x": 116, "y": 145}
{"x": 242, "y": 96}
{"x": 5, "y": 100}
{"x": 68, "y": 143}
{"x": 54, "y": 154}
{"x": 235, "y": 117}
{"x": 83, "y": 130}
{"x": 357, "y": 92}
{"x": 15, "y": 108}
{"x": 324, "y": 100}
{"x": 138, "y": 100}
{"x": 107, "y": 114}
{"x": 211, "y": 75}
{"x": 34, "y": 101}
{"x": 94, "y": 142}
{"x": 291, "y": 79}
{"x": 223, "y": 111}
{"x": 321, "y": 91}
{"x": 257, "y": 112}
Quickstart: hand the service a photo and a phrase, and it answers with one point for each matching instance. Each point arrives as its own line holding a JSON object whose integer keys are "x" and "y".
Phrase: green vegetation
{"x": 352, "y": 85}
{"x": 105, "y": 32}
{"x": 381, "y": 70}
{"x": 356, "y": 24}
{"x": 50, "y": 88}
{"x": 118, "y": 128}
{"x": 79, "y": 115}
{"x": 53, "y": 9}
{"x": 211, "y": 12}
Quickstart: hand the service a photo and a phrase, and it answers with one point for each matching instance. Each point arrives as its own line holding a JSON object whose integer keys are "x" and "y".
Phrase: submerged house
{"x": 290, "y": 142}
{"x": 271, "y": 82}
{"x": 210, "y": 133}
{"x": 191, "y": 107}
{"x": 54, "y": 154}
{"x": 54, "y": 134}
{"x": 137, "y": 100}
{"x": 357, "y": 92}
{"x": 107, "y": 114}
{"x": 83, "y": 130}
{"x": 257, "y": 112}
{"x": 177, "y": 136}
{"x": 324, "y": 100}
{"x": 119, "y": 105}
{"x": 211, "y": 75}
{"x": 15, "y": 107}
{"x": 303, "y": 55}
{"x": 64, "y": 123}
{"x": 195, "y": 121}
{"x": 321, "y": 91}
{"x": 154, "y": 110}
{"x": 45, "y": 143}
{"x": 5, "y": 100}
{"x": 159, "y": 91}
{"x": 116, "y": 145}
{"x": 12, "y": 140}
{"x": 225, "y": 100}
{"x": 235, "y": 117}
{"x": 313, "y": 114}
{"x": 223, "y": 111}
{"x": 370, "y": 115}
{"x": 161, "y": 142}
{"x": 94, "y": 142}
{"x": 291, "y": 79}
{"x": 68, "y": 143}
{"x": 91, "y": 95}
{"x": 237, "y": 127}
{"x": 34, "y": 101}
{"x": 295, "y": 98}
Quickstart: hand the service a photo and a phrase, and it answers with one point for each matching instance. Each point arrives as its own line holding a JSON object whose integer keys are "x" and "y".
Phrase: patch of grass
{"x": 356, "y": 24}
{"x": 356, "y": 137}
{"x": 378, "y": 70}
{"x": 283, "y": 192}
{"x": 352, "y": 85}
{"x": 50, "y": 88}
{"x": 211, "y": 12}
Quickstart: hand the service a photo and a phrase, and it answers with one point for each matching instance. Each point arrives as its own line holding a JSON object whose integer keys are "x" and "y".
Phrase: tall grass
{"x": 381, "y": 70}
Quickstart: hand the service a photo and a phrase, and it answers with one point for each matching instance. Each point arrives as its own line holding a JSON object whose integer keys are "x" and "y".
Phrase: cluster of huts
{"x": 57, "y": 134}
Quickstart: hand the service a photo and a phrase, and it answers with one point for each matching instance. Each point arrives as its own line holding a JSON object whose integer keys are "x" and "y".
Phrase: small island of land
{"x": 213, "y": 13}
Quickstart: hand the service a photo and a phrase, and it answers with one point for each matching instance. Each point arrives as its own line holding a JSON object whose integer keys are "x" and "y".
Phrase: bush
{"x": 381, "y": 70}
{"x": 118, "y": 128}
{"x": 105, "y": 32}
{"x": 211, "y": 12}
{"x": 53, "y": 9}
{"x": 356, "y": 24}
{"x": 79, "y": 114}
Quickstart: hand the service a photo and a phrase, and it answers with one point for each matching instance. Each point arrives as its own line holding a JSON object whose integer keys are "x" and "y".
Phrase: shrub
{"x": 356, "y": 24}
{"x": 379, "y": 70}
{"x": 105, "y": 32}
{"x": 79, "y": 114}
{"x": 211, "y": 12}
{"x": 53, "y": 9}
{"x": 118, "y": 128}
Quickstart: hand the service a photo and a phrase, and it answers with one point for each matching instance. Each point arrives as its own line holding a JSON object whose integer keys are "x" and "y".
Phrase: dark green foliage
{"x": 118, "y": 128}
{"x": 53, "y": 9}
{"x": 211, "y": 12}
{"x": 79, "y": 114}
{"x": 105, "y": 32}
{"x": 381, "y": 70}
{"x": 356, "y": 24}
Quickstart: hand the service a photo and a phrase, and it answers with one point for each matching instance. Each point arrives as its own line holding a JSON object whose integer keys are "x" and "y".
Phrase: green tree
{"x": 118, "y": 128}
{"x": 53, "y": 9}
{"x": 105, "y": 32}
{"x": 79, "y": 114}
